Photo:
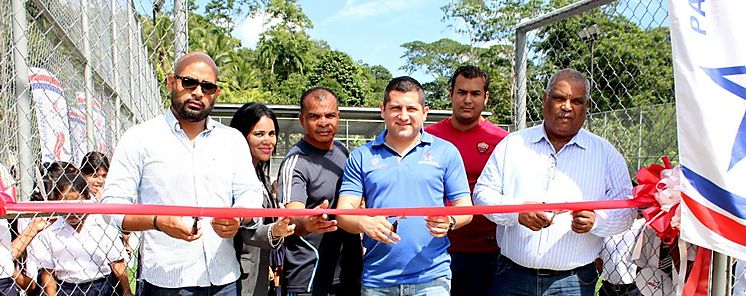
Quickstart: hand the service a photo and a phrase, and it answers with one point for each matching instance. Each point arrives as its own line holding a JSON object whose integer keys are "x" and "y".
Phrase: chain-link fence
{"x": 74, "y": 75}
{"x": 623, "y": 48}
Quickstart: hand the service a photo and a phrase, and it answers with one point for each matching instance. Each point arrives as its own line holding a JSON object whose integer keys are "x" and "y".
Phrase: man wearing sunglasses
{"x": 185, "y": 158}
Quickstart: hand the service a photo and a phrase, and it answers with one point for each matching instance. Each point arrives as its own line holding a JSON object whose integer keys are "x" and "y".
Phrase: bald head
{"x": 195, "y": 57}
{"x": 318, "y": 93}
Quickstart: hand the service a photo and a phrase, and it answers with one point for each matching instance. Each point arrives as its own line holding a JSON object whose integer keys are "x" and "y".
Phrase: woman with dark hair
{"x": 95, "y": 167}
{"x": 257, "y": 244}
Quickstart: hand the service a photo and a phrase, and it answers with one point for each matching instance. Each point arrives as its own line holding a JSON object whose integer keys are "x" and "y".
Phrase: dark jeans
{"x": 472, "y": 273}
{"x": 148, "y": 289}
{"x": 100, "y": 287}
{"x": 8, "y": 287}
{"x": 609, "y": 289}
{"x": 512, "y": 279}
{"x": 319, "y": 292}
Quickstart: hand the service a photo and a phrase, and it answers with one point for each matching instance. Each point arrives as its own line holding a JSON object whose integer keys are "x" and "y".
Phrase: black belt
{"x": 618, "y": 289}
{"x": 545, "y": 272}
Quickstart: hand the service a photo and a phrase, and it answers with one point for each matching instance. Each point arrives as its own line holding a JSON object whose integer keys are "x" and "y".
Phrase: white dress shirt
{"x": 6, "y": 260}
{"x": 525, "y": 168}
{"x": 617, "y": 255}
{"x": 155, "y": 163}
{"x": 78, "y": 257}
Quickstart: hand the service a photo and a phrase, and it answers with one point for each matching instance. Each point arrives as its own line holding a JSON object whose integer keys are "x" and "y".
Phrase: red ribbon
{"x": 660, "y": 221}
{"x": 7, "y": 195}
{"x": 699, "y": 278}
{"x": 131, "y": 209}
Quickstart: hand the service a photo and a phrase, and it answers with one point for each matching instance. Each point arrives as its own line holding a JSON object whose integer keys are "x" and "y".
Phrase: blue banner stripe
{"x": 726, "y": 200}
{"x": 46, "y": 86}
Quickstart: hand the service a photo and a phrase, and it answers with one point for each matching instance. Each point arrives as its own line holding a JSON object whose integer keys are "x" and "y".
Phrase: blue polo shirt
{"x": 425, "y": 176}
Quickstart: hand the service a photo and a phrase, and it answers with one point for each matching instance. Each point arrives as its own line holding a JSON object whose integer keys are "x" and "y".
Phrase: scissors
{"x": 194, "y": 226}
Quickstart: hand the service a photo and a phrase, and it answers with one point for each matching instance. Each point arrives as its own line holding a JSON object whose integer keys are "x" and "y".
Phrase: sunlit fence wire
{"x": 623, "y": 48}
{"x": 74, "y": 75}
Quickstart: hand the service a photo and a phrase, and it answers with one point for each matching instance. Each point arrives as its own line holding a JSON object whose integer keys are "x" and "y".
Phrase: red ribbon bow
{"x": 658, "y": 216}
{"x": 7, "y": 195}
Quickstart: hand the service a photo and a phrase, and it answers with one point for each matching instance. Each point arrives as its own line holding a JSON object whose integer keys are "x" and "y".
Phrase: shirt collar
{"x": 580, "y": 139}
{"x": 425, "y": 137}
{"x": 174, "y": 125}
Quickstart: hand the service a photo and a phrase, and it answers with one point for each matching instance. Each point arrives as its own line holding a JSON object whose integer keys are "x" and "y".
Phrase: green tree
{"x": 484, "y": 21}
{"x": 437, "y": 59}
{"x": 337, "y": 71}
{"x": 377, "y": 78}
{"x": 225, "y": 12}
{"x": 630, "y": 66}
{"x": 283, "y": 48}
{"x": 441, "y": 58}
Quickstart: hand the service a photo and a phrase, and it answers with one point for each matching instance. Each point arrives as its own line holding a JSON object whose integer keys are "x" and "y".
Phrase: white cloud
{"x": 251, "y": 27}
{"x": 357, "y": 9}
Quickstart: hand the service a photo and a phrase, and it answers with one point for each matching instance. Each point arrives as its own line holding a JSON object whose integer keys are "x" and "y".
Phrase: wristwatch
{"x": 452, "y": 225}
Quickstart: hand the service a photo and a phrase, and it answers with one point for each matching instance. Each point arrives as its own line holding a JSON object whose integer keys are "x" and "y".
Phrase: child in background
{"x": 95, "y": 167}
{"x": 79, "y": 255}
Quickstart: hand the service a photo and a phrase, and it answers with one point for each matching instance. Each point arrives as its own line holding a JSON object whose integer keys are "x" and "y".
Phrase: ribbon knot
{"x": 661, "y": 186}
{"x": 7, "y": 195}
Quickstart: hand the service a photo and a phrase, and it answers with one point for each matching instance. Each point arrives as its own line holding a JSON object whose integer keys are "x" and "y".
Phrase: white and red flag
{"x": 709, "y": 51}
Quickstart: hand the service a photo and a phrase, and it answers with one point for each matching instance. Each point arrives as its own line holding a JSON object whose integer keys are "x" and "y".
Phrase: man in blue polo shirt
{"x": 404, "y": 167}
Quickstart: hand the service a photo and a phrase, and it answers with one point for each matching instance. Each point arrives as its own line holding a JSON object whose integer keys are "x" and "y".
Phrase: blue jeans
{"x": 472, "y": 272}
{"x": 512, "y": 279}
{"x": 437, "y": 287}
{"x": 148, "y": 289}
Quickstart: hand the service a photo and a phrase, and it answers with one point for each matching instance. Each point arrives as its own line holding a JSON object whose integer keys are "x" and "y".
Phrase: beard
{"x": 188, "y": 114}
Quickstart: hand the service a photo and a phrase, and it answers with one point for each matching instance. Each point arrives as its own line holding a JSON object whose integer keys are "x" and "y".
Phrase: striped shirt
{"x": 155, "y": 163}
{"x": 525, "y": 168}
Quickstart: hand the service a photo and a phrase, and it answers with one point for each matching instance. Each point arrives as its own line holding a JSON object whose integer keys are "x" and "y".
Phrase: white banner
{"x": 51, "y": 115}
{"x": 78, "y": 127}
{"x": 709, "y": 51}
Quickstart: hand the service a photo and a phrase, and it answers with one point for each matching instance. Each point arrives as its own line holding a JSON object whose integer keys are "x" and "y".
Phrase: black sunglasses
{"x": 190, "y": 83}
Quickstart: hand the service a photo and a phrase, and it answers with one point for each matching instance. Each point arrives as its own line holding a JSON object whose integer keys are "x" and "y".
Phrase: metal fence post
{"x": 720, "y": 275}
{"x": 87, "y": 76}
{"x": 520, "y": 79}
{"x": 23, "y": 97}
{"x": 115, "y": 75}
{"x": 181, "y": 31}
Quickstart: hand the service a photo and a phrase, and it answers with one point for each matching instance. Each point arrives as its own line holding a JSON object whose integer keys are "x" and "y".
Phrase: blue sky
{"x": 370, "y": 31}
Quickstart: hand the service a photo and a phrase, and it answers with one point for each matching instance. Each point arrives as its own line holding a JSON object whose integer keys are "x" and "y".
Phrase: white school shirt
{"x": 156, "y": 164}
{"x": 525, "y": 168}
{"x": 6, "y": 260}
{"x": 78, "y": 257}
{"x": 616, "y": 255}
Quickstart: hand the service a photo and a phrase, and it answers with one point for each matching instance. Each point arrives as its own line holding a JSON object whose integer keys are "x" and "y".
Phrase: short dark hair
{"x": 54, "y": 170}
{"x": 68, "y": 182}
{"x": 244, "y": 121}
{"x": 313, "y": 91}
{"x": 571, "y": 74}
{"x": 470, "y": 72}
{"x": 404, "y": 84}
{"x": 92, "y": 162}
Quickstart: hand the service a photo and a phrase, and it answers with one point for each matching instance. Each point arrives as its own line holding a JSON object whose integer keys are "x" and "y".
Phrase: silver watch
{"x": 452, "y": 225}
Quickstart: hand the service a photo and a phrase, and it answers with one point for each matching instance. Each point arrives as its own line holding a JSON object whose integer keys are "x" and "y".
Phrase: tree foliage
{"x": 285, "y": 63}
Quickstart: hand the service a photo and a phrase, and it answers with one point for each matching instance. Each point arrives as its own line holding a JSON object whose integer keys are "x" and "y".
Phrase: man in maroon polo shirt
{"x": 473, "y": 250}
